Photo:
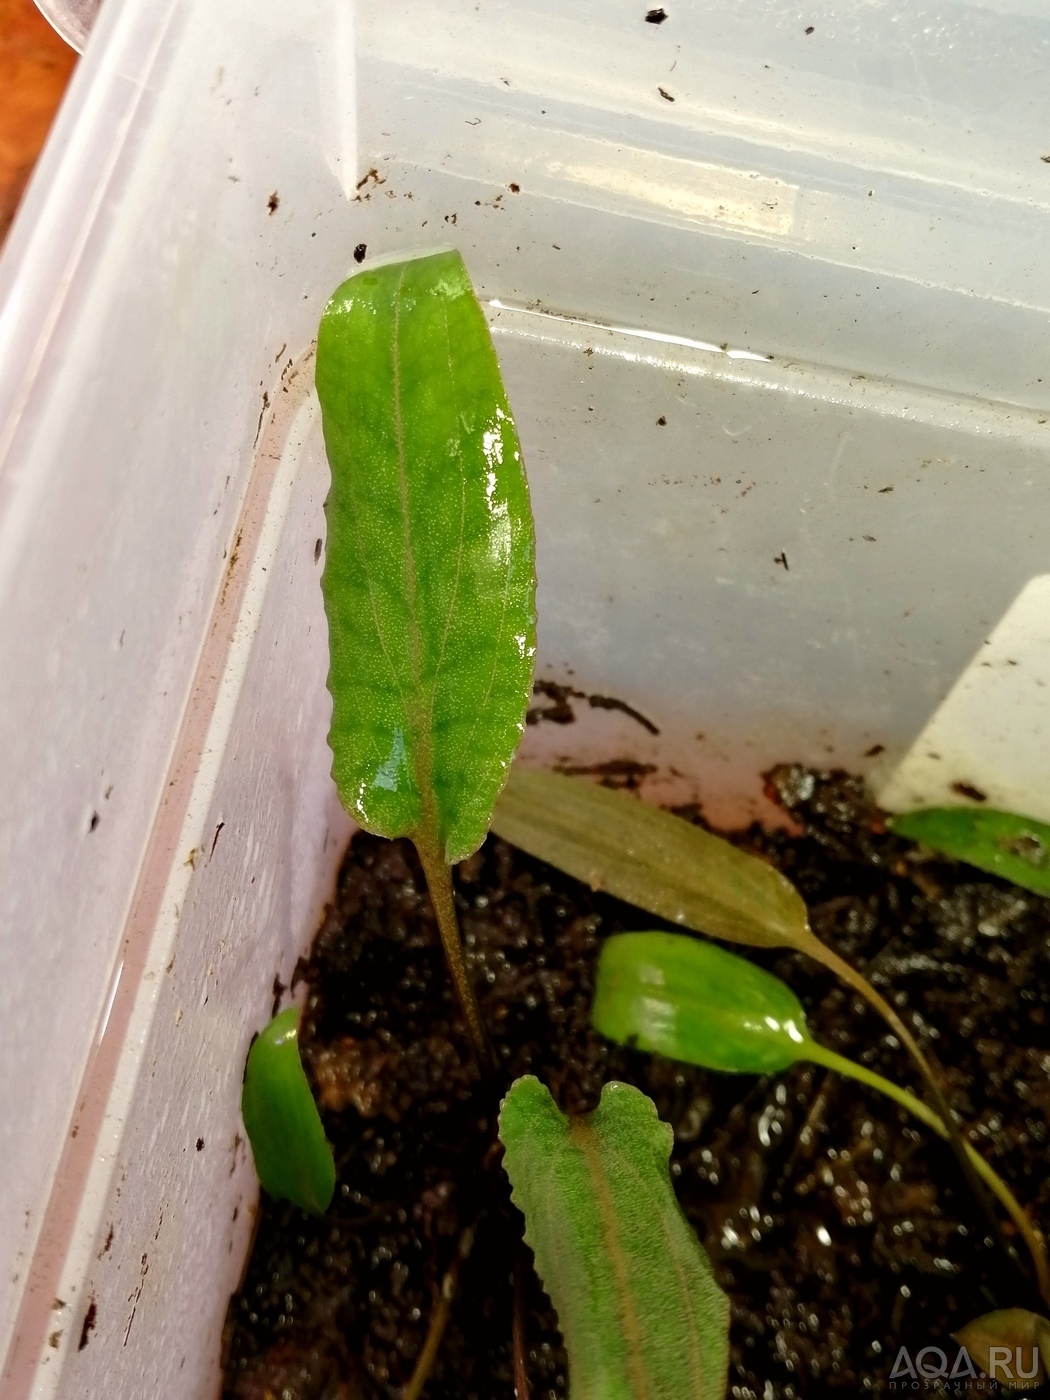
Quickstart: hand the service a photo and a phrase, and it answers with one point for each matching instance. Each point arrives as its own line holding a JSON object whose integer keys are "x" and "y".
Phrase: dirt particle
{"x": 610, "y": 702}
{"x": 108, "y": 1244}
{"x": 215, "y": 839}
{"x": 274, "y": 202}
{"x": 661, "y": 422}
{"x": 514, "y": 187}
{"x": 559, "y": 711}
{"x": 90, "y": 1318}
{"x": 278, "y": 990}
{"x": 809, "y": 28}
{"x": 54, "y": 1338}
{"x": 262, "y": 415}
{"x": 359, "y": 252}
{"x": 200, "y": 1144}
{"x": 968, "y": 790}
{"x": 665, "y": 94}
{"x": 655, "y": 16}
{"x": 93, "y": 821}
{"x": 623, "y": 774}
{"x": 875, "y": 750}
{"x": 782, "y": 559}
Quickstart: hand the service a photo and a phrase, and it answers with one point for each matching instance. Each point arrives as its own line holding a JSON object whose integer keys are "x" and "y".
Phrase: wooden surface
{"x": 35, "y": 65}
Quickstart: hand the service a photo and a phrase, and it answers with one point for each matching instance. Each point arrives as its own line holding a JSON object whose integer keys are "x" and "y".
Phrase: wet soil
{"x": 839, "y": 1229}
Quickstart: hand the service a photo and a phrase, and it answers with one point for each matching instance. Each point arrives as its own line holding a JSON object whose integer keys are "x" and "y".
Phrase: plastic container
{"x": 771, "y": 295}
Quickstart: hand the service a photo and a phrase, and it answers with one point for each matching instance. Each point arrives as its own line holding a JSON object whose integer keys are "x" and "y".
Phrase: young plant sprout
{"x": 637, "y": 1302}
{"x": 292, "y": 1157}
{"x": 1011, "y": 1347}
{"x": 429, "y": 590}
{"x": 676, "y": 870}
{"x": 690, "y": 1000}
{"x": 1002, "y": 843}
{"x": 429, "y": 579}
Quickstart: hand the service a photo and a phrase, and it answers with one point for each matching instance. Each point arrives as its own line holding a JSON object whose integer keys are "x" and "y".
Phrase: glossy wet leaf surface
{"x": 688, "y": 999}
{"x": 429, "y": 574}
{"x": 652, "y": 859}
{"x": 292, "y": 1157}
{"x": 639, "y": 1309}
{"x": 1002, "y": 843}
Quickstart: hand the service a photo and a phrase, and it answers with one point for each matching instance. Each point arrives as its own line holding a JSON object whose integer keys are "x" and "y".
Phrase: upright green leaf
{"x": 429, "y": 581}
{"x": 429, "y": 576}
{"x": 292, "y": 1156}
{"x": 1003, "y": 843}
{"x": 652, "y": 859}
{"x": 640, "y": 1311}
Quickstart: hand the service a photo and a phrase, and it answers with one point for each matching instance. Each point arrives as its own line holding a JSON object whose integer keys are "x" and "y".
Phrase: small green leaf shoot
{"x": 429, "y": 580}
{"x": 292, "y": 1157}
{"x": 637, "y": 1302}
{"x": 686, "y": 875}
{"x": 1011, "y": 1347}
{"x": 688, "y": 999}
{"x": 1002, "y": 843}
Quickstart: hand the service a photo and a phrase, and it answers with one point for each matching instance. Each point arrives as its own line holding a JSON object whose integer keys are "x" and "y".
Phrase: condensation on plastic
{"x": 776, "y": 339}
{"x": 72, "y": 18}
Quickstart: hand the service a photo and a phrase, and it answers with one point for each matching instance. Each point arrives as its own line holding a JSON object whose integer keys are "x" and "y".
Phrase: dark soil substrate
{"x": 839, "y": 1229}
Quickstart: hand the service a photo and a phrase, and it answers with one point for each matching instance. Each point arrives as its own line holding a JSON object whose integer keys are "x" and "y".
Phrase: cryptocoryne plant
{"x": 690, "y": 877}
{"x": 637, "y": 1302}
{"x": 1002, "y": 843}
{"x": 429, "y": 592}
{"x": 429, "y": 579}
{"x": 292, "y": 1157}
{"x": 690, "y": 1000}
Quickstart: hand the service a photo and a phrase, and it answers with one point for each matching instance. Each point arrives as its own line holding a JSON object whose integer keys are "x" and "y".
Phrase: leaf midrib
{"x": 583, "y": 1136}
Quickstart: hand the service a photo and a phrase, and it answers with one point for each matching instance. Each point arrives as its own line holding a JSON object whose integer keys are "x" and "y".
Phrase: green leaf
{"x": 1021, "y": 1343}
{"x": 1016, "y": 848}
{"x": 292, "y": 1156}
{"x": 652, "y": 859}
{"x": 687, "y": 876}
{"x": 638, "y": 1305}
{"x": 691, "y": 1000}
{"x": 429, "y": 577}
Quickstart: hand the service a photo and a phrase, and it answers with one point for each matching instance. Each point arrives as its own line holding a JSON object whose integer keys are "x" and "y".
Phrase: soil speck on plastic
{"x": 968, "y": 790}
{"x": 90, "y": 1318}
{"x": 655, "y": 16}
{"x": 840, "y": 1229}
{"x": 359, "y": 252}
{"x": 274, "y": 202}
